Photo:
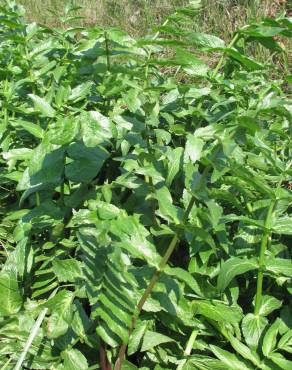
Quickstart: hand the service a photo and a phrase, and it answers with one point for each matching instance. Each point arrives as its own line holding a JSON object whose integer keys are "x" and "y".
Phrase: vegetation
{"x": 138, "y": 16}
{"x": 145, "y": 217}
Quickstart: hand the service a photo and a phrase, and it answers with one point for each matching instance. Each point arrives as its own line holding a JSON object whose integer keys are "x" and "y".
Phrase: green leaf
{"x": 18, "y": 154}
{"x": 42, "y": 106}
{"x": 80, "y": 92}
{"x": 229, "y": 359}
{"x": 136, "y": 337}
{"x": 87, "y": 162}
{"x": 67, "y": 270}
{"x": 268, "y": 305}
{"x": 192, "y": 65}
{"x": 218, "y": 311}
{"x": 280, "y": 360}
{"x": 233, "y": 267}
{"x": 248, "y": 63}
{"x": 270, "y": 338}
{"x": 261, "y": 30}
{"x": 128, "y": 366}
{"x": 10, "y": 294}
{"x": 96, "y": 128}
{"x": 46, "y": 165}
{"x": 74, "y": 360}
{"x": 252, "y": 328}
{"x": 152, "y": 339}
{"x": 132, "y": 237}
{"x": 174, "y": 158}
{"x": 283, "y": 226}
{"x": 279, "y": 266}
{"x": 285, "y": 343}
{"x": 186, "y": 277}
{"x": 194, "y": 147}
{"x": 61, "y": 317}
{"x": 63, "y": 131}
{"x": 206, "y": 41}
{"x": 244, "y": 351}
{"x": 30, "y": 127}
{"x": 166, "y": 208}
{"x": 80, "y": 322}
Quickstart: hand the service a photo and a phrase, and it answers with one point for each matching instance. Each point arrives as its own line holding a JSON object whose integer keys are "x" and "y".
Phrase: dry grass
{"x": 138, "y": 17}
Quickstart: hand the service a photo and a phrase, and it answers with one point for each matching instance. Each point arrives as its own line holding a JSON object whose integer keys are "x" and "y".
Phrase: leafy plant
{"x": 146, "y": 198}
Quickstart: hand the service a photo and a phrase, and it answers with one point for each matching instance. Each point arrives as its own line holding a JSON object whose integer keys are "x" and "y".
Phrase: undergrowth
{"x": 145, "y": 220}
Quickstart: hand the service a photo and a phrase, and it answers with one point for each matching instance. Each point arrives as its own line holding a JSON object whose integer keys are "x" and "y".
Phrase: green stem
{"x": 188, "y": 349}
{"x": 107, "y": 52}
{"x": 37, "y": 199}
{"x": 6, "y": 364}
{"x": 263, "y": 248}
{"x": 264, "y": 245}
{"x": 33, "y": 334}
{"x": 62, "y": 192}
{"x": 160, "y": 269}
{"x": 150, "y": 54}
{"x": 164, "y": 261}
{"x": 221, "y": 60}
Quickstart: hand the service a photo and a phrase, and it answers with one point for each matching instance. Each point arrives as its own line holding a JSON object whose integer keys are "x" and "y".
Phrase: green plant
{"x": 145, "y": 220}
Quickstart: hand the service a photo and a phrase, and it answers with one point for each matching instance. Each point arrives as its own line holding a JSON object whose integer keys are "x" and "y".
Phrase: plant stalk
{"x": 189, "y": 348}
{"x": 264, "y": 245}
{"x": 221, "y": 60}
{"x": 108, "y": 63}
{"x": 32, "y": 335}
{"x": 163, "y": 263}
{"x": 160, "y": 269}
{"x": 150, "y": 54}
